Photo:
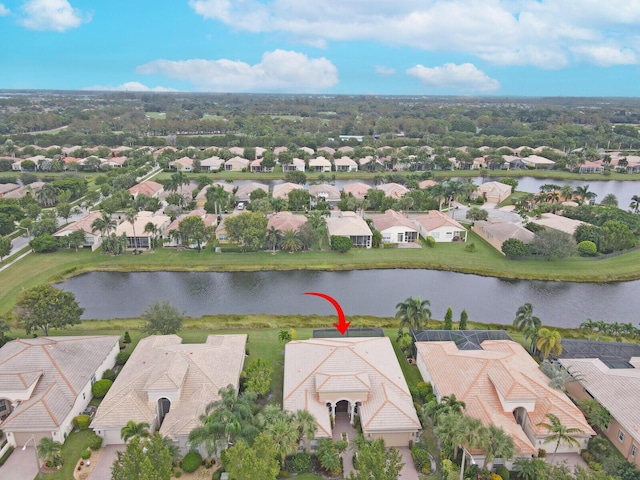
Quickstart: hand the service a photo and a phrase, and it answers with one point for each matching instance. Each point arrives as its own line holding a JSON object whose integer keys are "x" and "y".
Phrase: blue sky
{"x": 407, "y": 47}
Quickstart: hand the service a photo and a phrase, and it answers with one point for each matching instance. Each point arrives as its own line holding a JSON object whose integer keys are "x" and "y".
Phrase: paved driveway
{"x": 20, "y": 465}
{"x": 409, "y": 471}
{"x": 102, "y": 470}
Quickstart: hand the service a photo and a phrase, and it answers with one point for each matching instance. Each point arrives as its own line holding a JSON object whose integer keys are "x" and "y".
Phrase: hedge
{"x": 101, "y": 387}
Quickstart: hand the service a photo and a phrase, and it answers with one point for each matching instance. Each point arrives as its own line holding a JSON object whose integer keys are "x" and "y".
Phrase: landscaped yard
{"x": 73, "y": 445}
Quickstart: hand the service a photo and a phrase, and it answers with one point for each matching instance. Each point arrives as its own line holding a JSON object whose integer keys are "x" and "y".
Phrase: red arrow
{"x": 342, "y": 325}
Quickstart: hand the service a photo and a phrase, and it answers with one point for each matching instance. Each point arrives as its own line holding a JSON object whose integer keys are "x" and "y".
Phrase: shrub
{"x": 542, "y": 453}
{"x": 503, "y": 472}
{"x": 45, "y": 243}
{"x": 299, "y": 463}
{"x": 480, "y": 200}
{"x": 471, "y": 247}
{"x": 587, "y": 248}
{"x": 95, "y": 442}
{"x": 5, "y": 456}
{"x": 122, "y": 358}
{"x": 109, "y": 374}
{"x": 424, "y": 389}
{"x": 514, "y": 248}
{"x": 177, "y": 474}
{"x": 341, "y": 244}
{"x": 431, "y": 242}
{"x": 421, "y": 457}
{"x": 127, "y": 337}
{"x": 101, "y": 387}
{"x": 85, "y": 454}
{"x": 81, "y": 421}
{"x": 191, "y": 462}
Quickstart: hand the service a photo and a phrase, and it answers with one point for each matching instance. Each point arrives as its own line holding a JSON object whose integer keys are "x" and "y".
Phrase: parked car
{"x": 241, "y": 206}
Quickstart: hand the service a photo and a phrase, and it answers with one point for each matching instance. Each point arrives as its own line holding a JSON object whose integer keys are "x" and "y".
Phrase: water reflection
{"x": 366, "y": 292}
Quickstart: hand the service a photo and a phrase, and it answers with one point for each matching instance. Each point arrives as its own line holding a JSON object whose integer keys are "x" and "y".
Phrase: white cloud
{"x": 4, "y": 11}
{"x": 464, "y": 78}
{"x": 385, "y": 71}
{"x": 606, "y": 56}
{"x": 56, "y": 15}
{"x": 128, "y": 87}
{"x": 543, "y": 33}
{"x": 278, "y": 71}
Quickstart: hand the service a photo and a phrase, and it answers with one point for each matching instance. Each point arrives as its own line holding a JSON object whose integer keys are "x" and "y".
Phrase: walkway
{"x": 408, "y": 471}
{"x": 342, "y": 425}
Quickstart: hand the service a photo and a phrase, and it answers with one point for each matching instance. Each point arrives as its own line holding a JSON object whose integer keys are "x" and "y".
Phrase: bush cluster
{"x": 299, "y": 463}
{"x": 101, "y": 387}
{"x": 85, "y": 454}
{"x": 81, "y": 421}
{"x": 122, "y": 358}
{"x": 191, "y": 462}
{"x": 109, "y": 374}
{"x": 95, "y": 442}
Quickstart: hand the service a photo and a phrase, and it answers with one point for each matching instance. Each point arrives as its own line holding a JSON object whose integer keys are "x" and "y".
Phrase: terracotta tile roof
{"x": 393, "y": 190}
{"x": 435, "y": 219}
{"x": 326, "y": 191}
{"x": 319, "y": 162}
{"x": 503, "y": 230}
{"x": 347, "y": 224}
{"x": 427, "y": 183}
{"x": 194, "y": 373}
{"x": 245, "y": 190}
{"x": 390, "y": 219}
{"x": 357, "y": 189}
{"x": 282, "y": 190}
{"x": 354, "y": 365}
{"x": 616, "y": 389}
{"x": 83, "y": 224}
{"x": 61, "y": 366}
{"x": 502, "y": 368}
{"x": 286, "y": 221}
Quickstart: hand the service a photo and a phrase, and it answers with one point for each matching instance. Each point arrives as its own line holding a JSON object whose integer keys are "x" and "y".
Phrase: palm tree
{"x": 49, "y": 451}
{"x": 131, "y": 216}
{"x": 635, "y": 203}
{"x": 531, "y": 334}
{"x": 273, "y": 237}
{"x": 151, "y": 228}
{"x": 207, "y": 435}
{"x": 566, "y": 192}
{"x": 290, "y": 241}
{"x": 316, "y": 219}
{"x": 104, "y": 224}
{"x": 497, "y": 444}
{"x": 524, "y": 317}
{"x": 284, "y": 433}
{"x": 559, "y": 433}
{"x": 596, "y": 414}
{"x": 47, "y": 195}
{"x": 306, "y": 424}
{"x": 530, "y": 468}
{"x": 413, "y": 313}
{"x": 134, "y": 430}
{"x": 610, "y": 200}
{"x": 549, "y": 341}
{"x": 583, "y": 193}
{"x": 588, "y": 327}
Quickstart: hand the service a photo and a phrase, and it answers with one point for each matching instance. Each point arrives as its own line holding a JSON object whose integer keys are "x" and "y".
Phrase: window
{"x": 634, "y": 449}
{"x": 621, "y": 435}
{"x": 93, "y": 380}
{"x": 3, "y": 405}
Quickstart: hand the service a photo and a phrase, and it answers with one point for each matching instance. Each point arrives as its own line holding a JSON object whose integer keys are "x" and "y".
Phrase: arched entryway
{"x": 520, "y": 414}
{"x": 164, "y": 405}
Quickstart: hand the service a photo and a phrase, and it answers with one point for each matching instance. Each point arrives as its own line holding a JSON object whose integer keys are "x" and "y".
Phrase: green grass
{"x": 156, "y": 115}
{"x": 291, "y": 118}
{"x": 308, "y": 476}
{"x": 206, "y": 116}
{"x": 73, "y": 445}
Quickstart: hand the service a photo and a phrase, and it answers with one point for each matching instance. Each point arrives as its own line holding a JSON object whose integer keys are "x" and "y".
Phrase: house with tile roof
{"x": 135, "y": 232}
{"x": 282, "y": 190}
{"x": 211, "y": 164}
{"x": 329, "y": 193}
{"x": 319, "y": 164}
{"x": 296, "y": 165}
{"x": 45, "y": 382}
{"x": 184, "y": 164}
{"x": 501, "y": 384}
{"x": 440, "y": 226}
{"x": 345, "y": 164}
{"x": 236, "y": 164}
{"x": 350, "y": 225}
{"x": 494, "y": 192}
{"x": 616, "y": 386}
{"x": 351, "y": 377}
{"x": 284, "y": 221}
{"x": 244, "y": 191}
{"x": 169, "y": 237}
{"x": 496, "y": 231}
{"x": 92, "y": 238}
{"x": 393, "y": 190}
{"x": 395, "y": 227}
{"x": 148, "y": 187}
{"x": 358, "y": 189}
{"x": 168, "y": 385}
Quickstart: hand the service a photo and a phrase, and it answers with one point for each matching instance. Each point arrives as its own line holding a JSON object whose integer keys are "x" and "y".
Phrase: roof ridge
{"x": 55, "y": 365}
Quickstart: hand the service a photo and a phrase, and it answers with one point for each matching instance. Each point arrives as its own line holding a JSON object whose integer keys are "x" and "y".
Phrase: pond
{"x": 364, "y": 292}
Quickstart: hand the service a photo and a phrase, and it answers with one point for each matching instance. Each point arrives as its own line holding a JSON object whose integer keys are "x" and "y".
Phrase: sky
{"x": 403, "y": 47}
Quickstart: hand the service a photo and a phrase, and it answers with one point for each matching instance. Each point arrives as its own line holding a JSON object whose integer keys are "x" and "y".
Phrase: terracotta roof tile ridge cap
{"x": 46, "y": 407}
{"x": 314, "y": 371}
{"x": 55, "y": 365}
{"x": 378, "y": 371}
{"x": 374, "y": 414}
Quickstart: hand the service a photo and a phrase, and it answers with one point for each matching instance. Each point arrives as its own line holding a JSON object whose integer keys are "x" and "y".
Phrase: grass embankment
{"x": 36, "y": 269}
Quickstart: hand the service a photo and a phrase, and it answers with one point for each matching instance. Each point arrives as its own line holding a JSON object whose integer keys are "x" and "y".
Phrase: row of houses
{"x": 47, "y": 381}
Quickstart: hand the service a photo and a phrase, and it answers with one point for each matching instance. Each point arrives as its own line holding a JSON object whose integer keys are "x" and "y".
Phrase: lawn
{"x": 73, "y": 445}
{"x": 156, "y": 115}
